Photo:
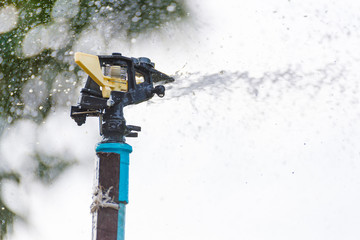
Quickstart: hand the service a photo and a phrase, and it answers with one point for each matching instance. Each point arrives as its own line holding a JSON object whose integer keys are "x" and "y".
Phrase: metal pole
{"x": 112, "y": 173}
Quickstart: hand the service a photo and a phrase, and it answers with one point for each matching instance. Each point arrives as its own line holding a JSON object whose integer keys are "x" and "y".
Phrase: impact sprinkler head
{"x": 114, "y": 82}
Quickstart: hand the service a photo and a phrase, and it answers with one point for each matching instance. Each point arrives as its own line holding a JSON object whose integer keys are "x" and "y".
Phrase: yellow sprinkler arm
{"x": 91, "y": 65}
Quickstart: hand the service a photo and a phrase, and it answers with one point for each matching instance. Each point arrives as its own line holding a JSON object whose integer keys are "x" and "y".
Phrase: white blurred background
{"x": 258, "y": 137}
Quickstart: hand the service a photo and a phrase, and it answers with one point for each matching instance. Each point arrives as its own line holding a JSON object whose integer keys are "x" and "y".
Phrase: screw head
{"x": 110, "y": 102}
{"x": 146, "y": 61}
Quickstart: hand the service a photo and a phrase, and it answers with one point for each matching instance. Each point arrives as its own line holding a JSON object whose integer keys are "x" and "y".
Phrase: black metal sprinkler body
{"x": 126, "y": 81}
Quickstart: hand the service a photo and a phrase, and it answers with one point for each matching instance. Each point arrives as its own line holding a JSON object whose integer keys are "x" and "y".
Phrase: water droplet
{"x": 38, "y": 11}
{"x": 135, "y": 19}
{"x": 171, "y": 7}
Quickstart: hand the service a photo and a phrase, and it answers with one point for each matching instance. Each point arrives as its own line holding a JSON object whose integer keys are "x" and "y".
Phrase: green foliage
{"x": 6, "y": 215}
{"x": 17, "y": 70}
{"x": 49, "y": 168}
